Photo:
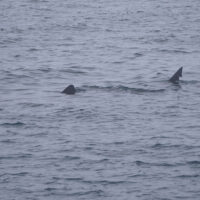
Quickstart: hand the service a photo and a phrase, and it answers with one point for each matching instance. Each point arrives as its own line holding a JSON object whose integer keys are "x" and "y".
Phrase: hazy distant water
{"x": 128, "y": 133}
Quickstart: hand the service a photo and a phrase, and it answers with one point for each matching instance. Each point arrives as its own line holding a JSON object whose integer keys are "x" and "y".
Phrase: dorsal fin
{"x": 175, "y": 77}
{"x": 69, "y": 90}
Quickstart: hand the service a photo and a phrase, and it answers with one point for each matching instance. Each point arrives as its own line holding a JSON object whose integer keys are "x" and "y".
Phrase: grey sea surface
{"x": 128, "y": 133}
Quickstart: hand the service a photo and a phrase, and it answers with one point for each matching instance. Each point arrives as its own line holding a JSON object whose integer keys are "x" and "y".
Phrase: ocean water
{"x": 128, "y": 133}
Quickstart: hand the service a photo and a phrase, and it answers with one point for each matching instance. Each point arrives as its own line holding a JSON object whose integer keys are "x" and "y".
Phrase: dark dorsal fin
{"x": 69, "y": 90}
{"x": 175, "y": 77}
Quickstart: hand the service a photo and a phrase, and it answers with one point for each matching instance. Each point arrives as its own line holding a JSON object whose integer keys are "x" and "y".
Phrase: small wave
{"x": 109, "y": 182}
{"x": 136, "y": 175}
{"x": 33, "y": 49}
{"x": 176, "y": 51}
{"x": 118, "y": 62}
{"x": 10, "y": 41}
{"x": 157, "y": 146}
{"x": 33, "y": 105}
{"x": 15, "y": 124}
{"x": 164, "y": 164}
{"x": 88, "y": 148}
{"x": 103, "y": 160}
{"x": 17, "y": 56}
{"x": 66, "y": 45}
{"x": 139, "y": 163}
{"x": 23, "y": 155}
{"x": 45, "y": 70}
{"x": 20, "y": 174}
{"x": 188, "y": 176}
{"x": 16, "y": 156}
{"x": 13, "y": 76}
{"x": 105, "y": 182}
{"x": 140, "y": 11}
{"x": 195, "y": 162}
{"x": 161, "y": 40}
{"x": 7, "y": 141}
{"x": 96, "y": 192}
{"x": 71, "y": 71}
{"x": 119, "y": 143}
{"x": 161, "y": 164}
{"x": 74, "y": 179}
{"x": 160, "y": 146}
{"x": 36, "y": 105}
{"x": 50, "y": 189}
{"x": 192, "y": 82}
{"x": 6, "y": 157}
{"x": 72, "y": 158}
{"x": 138, "y": 54}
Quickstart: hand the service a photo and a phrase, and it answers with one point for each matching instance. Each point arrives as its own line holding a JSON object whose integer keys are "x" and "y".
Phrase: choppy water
{"x": 128, "y": 133}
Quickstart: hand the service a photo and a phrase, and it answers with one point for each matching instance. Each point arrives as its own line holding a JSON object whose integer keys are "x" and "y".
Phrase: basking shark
{"x": 69, "y": 90}
{"x": 176, "y": 76}
{"x": 174, "y": 79}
